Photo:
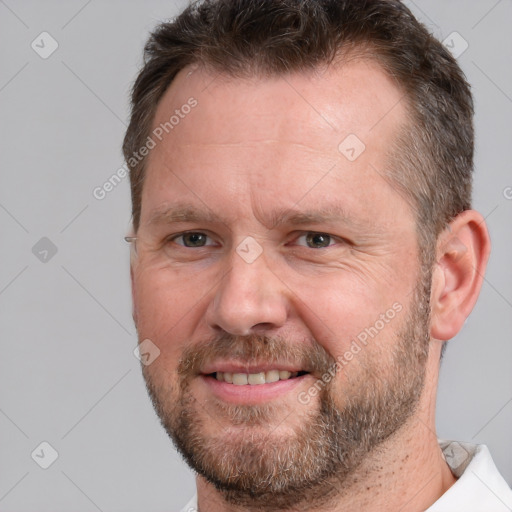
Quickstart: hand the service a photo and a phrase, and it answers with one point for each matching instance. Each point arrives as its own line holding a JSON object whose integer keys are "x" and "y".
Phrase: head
{"x": 301, "y": 182}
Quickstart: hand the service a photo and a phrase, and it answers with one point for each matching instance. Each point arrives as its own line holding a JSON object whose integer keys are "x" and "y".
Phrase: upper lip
{"x": 238, "y": 367}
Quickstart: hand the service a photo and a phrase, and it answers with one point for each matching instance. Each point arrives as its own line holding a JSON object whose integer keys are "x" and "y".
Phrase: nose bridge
{"x": 250, "y": 296}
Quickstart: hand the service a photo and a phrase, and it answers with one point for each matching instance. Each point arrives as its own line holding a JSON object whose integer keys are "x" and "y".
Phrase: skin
{"x": 254, "y": 147}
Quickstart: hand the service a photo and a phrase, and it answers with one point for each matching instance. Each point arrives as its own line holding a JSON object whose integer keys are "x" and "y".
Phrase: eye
{"x": 315, "y": 240}
{"x": 192, "y": 239}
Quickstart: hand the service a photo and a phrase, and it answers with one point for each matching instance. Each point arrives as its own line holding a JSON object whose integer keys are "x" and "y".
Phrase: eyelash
{"x": 173, "y": 238}
{"x": 332, "y": 238}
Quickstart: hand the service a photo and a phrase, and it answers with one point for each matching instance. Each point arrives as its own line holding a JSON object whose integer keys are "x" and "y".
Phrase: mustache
{"x": 309, "y": 355}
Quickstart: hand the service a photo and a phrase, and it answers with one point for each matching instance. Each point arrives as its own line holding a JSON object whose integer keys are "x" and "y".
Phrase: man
{"x": 303, "y": 248}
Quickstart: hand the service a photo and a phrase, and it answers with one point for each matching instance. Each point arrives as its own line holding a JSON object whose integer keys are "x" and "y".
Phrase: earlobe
{"x": 462, "y": 253}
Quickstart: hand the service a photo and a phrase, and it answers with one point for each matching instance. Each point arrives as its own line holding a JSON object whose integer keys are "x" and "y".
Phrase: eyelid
{"x": 333, "y": 238}
{"x": 173, "y": 237}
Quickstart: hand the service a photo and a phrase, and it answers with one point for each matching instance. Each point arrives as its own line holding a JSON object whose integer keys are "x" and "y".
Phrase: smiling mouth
{"x": 255, "y": 379}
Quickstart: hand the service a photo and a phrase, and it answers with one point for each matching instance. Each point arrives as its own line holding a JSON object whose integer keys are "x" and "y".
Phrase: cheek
{"x": 348, "y": 317}
{"x": 167, "y": 309}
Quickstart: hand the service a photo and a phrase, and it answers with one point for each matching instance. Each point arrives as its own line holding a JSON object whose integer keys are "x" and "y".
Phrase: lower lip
{"x": 253, "y": 394}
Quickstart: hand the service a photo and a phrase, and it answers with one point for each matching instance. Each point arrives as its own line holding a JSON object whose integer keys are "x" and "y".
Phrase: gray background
{"x": 67, "y": 372}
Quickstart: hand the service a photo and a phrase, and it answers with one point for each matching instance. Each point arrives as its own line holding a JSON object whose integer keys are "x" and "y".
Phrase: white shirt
{"x": 479, "y": 488}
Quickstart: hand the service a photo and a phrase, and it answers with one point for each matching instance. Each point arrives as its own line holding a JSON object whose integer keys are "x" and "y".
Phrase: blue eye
{"x": 315, "y": 240}
{"x": 192, "y": 239}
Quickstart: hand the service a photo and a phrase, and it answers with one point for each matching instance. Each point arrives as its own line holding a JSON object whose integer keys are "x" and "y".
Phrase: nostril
{"x": 263, "y": 326}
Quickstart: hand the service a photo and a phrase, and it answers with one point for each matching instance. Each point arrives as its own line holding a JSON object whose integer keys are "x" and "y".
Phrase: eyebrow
{"x": 181, "y": 212}
{"x": 324, "y": 215}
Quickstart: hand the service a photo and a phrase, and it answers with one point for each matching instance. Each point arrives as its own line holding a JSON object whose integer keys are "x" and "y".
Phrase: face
{"x": 278, "y": 273}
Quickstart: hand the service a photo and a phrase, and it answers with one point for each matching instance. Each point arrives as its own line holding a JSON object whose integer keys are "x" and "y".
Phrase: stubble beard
{"x": 258, "y": 467}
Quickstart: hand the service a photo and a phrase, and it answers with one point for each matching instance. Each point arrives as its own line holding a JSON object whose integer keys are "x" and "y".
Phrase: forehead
{"x": 355, "y": 97}
{"x": 279, "y": 134}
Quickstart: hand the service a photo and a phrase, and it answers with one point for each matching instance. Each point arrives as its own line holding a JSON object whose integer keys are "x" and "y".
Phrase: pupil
{"x": 194, "y": 239}
{"x": 317, "y": 240}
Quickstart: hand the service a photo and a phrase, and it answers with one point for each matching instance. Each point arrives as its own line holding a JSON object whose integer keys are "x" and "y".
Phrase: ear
{"x": 462, "y": 252}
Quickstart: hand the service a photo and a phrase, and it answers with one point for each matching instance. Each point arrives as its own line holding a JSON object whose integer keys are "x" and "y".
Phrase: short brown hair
{"x": 432, "y": 160}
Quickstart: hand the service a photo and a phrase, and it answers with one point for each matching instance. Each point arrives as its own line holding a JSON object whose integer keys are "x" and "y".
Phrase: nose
{"x": 249, "y": 299}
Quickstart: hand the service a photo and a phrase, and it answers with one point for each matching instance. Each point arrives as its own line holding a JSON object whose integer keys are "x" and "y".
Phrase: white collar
{"x": 479, "y": 488}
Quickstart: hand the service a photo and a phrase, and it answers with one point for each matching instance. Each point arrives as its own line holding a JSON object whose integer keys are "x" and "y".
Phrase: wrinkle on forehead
{"x": 253, "y": 143}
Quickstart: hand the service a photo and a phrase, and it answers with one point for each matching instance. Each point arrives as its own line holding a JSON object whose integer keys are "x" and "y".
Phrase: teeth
{"x": 240, "y": 379}
{"x": 254, "y": 379}
{"x": 272, "y": 376}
